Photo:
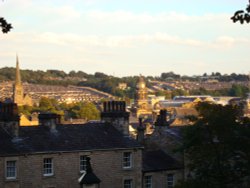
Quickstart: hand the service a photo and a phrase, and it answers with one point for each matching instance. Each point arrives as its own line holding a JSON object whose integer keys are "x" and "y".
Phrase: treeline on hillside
{"x": 214, "y": 75}
{"x": 98, "y": 80}
{"x": 235, "y": 91}
{"x": 109, "y": 83}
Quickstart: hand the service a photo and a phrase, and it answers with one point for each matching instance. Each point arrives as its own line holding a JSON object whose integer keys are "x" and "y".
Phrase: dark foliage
{"x": 6, "y": 27}
{"x": 242, "y": 16}
{"x": 217, "y": 148}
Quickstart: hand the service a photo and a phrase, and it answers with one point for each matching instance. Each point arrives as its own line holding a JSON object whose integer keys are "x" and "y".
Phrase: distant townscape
{"x": 61, "y": 130}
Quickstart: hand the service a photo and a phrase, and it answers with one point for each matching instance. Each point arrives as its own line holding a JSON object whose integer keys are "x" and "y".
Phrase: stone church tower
{"x": 18, "y": 87}
{"x": 141, "y": 99}
{"x": 18, "y": 93}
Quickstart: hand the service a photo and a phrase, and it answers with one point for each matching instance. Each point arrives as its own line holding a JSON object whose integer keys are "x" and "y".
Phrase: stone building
{"x": 141, "y": 99}
{"x": 98, "y": 154}
{"x": 19, "y": 97}
{"x": 160, "y": 169}
{"x": 51, "y": 155}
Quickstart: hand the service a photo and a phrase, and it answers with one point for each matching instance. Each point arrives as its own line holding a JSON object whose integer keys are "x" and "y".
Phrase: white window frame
{"x": 10, "y": 168}
{"x": 170, "y": 180}
{"x": 148, "y": 181}
{"x": 83, "y": 163}
{"x": 48, "y": 169}
{"x": 127, "y": 160}
{"x": 128, "y": 183}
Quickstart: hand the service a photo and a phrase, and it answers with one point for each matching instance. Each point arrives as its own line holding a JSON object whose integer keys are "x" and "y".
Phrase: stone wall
{"x": 159, "y": 179}
{"x": 107, "y": 165}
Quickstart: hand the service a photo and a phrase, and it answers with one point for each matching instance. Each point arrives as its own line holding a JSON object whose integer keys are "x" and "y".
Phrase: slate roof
{"x": 158, "y": 160}
{"x": 68, "y": 138}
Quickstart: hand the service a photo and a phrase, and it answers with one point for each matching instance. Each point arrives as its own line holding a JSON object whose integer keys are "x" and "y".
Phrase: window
{"x": 10, "y": 169}
{"x": 148, "y": 181}
{"x": 83, "y": 163}
{"x": 48, "y": 167}
{"x": 170, "y": 180}
{"x": 128, "y": 183}
{"x": 127, "y": 160}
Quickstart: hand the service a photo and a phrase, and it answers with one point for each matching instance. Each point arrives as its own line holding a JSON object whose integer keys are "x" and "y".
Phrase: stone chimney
{"x": 114, "y": 113}
{"x": 49, "y": 120}
{"x": 162, "y": 119}
{"x": 9, "y": 118}
{"x": 140, "y": 132}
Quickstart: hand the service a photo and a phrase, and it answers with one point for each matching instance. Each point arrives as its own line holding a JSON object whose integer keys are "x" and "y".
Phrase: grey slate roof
{"x": 158, "y": 160}
{"x": 68, "y": 138}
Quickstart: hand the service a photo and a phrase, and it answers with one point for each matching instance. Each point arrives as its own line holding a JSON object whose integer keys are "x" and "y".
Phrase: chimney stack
{"x": 114, "y": 112}
{"x": 9, "y": 118}
{"x": 140, "y": 132}
{"x": 162, "y": 119}
{"x": 49, "y": 120}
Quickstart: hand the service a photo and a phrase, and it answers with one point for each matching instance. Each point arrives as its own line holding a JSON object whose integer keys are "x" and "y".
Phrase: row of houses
{"x": 95, "y": 154}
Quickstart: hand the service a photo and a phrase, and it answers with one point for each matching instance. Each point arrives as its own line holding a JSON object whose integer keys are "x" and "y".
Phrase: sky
{"x": 126, "y": 37}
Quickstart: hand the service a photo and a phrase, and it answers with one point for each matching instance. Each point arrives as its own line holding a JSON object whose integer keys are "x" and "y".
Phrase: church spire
{"x": 18, "y": 75}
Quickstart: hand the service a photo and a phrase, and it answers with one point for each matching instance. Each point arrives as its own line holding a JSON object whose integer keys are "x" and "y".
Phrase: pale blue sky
{"x": 126, "y": 37}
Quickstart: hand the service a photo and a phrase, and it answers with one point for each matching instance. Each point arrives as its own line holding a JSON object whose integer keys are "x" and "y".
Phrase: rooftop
{"x": 158, "y": 160}
{"x": 66, "y": 138}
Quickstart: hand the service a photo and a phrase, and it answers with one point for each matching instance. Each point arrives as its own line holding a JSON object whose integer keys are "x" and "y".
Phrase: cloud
{"x": 85, "y": 32}
{"x": 122, "y": 41}
{"x": 63, "y": 12}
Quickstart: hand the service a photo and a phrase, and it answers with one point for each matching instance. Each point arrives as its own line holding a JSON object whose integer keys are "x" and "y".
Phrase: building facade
{"x": 48, "y": 156}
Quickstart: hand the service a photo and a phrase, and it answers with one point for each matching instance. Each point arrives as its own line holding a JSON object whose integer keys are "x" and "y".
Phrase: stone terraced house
{"x": 95, "y": 154}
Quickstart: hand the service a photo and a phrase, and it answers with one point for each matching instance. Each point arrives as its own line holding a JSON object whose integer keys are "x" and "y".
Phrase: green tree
{"x": 179, "y": 92}
{"x": 217, "y": 147}
{"x": 49, "y": 105}
{"x": 25, "y": 109}
{"x": 238, "y": 90}
{"x": 87, "y": 111}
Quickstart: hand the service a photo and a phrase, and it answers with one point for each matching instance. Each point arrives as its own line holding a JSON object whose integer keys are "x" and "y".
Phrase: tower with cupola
{"x": 141, "y": 99}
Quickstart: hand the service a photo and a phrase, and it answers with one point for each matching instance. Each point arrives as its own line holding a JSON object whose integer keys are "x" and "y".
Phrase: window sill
{"x": 127, "y": 168}
{"x": 11, "y": 179}
{"x": 48, "y": 175}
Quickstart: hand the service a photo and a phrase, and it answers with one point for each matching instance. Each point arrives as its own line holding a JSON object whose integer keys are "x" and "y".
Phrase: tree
{"x": 26, "y": 110}
{"x": 217, "y": 147}
{"x": 169, "y": 75}
{"x": 87, "y": 111}
{"x": 238, "y": 90}
{"x": 6, "y": 27}
{"x": 49, "y": 105}
{"x": 179, "y": 92}
{"x": 241, "y": 15}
